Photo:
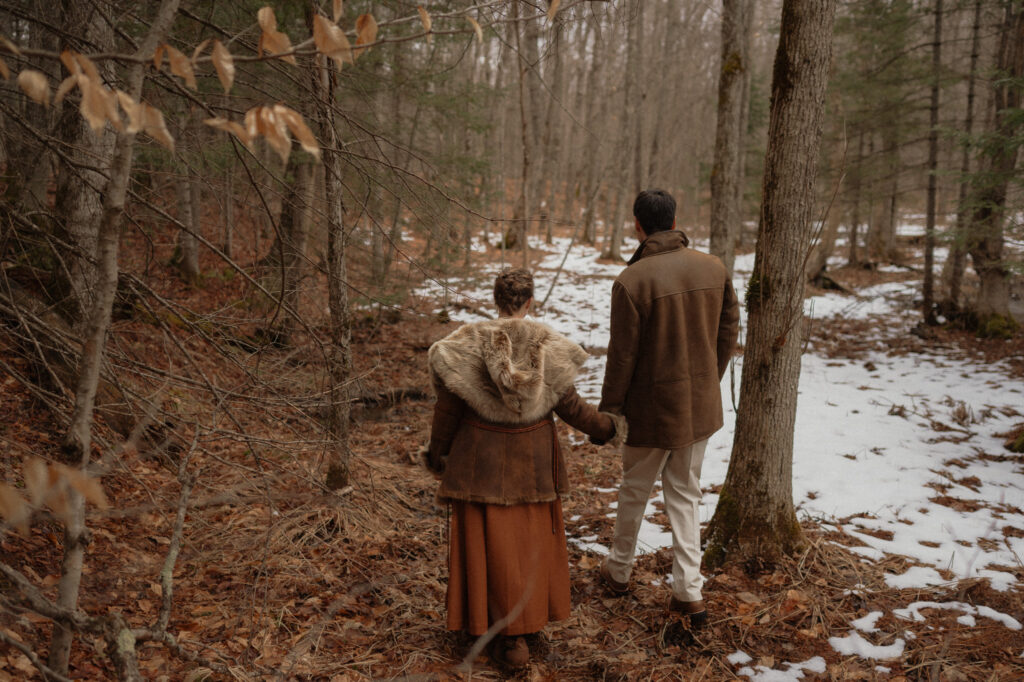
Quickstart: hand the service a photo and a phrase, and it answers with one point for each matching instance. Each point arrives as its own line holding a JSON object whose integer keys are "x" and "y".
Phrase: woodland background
{"x": 212, "y": 344}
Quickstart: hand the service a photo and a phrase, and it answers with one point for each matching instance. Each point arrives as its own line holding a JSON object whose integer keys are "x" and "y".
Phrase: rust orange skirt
{"x": 507, "y": 562}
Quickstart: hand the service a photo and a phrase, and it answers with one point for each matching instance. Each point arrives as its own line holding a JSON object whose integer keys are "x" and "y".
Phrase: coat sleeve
{"x": 728, "y": 328}
{"x": 448, "y": 412}
{"x": 582, "y": 416}
{"x": 623, "y": 346}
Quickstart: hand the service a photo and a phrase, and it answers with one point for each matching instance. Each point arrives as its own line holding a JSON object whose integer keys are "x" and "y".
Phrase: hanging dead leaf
{"x": 93, "y": 106}
{"x": 298, "y": 128}
{"x": 231, "y": 127}
{"x": 338, "y": 10}
{"x": 250, "y": 121}
{"x": 425, "y": 18}
{"x": 158, "y": 56}
{"x": 13, "y": 508}
{"x": 274, "y": 129}
{"x": 65, "y": 87}
{"x": 273, "y": 41}
{"x": 366, "y": 32}
{"x": 4, "y": 71}
{"x": 86, "y": 486}
{"x": 154, "y": 126}
{"x": 33, "y": 83}
{"x": 67, "y": 58}
{"x": 476, "y": 28}
{"x": 88, "y": 68}
{"x": 9, "y": 46}
{"x": 182, "y": 67}
{"x": 199, "y": 50}
{"x": 553, "y": 9}
{"x": 225, "y": 65}
{"x": 331, "y": 41}
{"x": 133, "y": 109}
{"x": 36, "y": 480}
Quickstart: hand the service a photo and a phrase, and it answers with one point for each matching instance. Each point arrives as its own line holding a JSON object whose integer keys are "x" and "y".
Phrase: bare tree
{"x": 928, "y": 302}
{"x": 726, "y": 173}
{"x": 755, "y": 518}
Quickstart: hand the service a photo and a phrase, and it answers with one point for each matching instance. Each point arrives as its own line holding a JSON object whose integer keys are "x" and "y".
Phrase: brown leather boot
{"x": 511, "y": 652}
{"x": 694, "y": 611}
{"x": 613, "y": 585}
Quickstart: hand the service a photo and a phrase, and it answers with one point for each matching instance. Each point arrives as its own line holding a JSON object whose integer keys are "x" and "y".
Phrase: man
{"x": 674, "y": 323}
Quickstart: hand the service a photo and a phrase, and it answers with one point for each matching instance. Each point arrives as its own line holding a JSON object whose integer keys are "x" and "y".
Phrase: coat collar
{"x": 660, "y": 242}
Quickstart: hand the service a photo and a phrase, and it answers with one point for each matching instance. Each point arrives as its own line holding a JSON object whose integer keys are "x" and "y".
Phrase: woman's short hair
{"x": 512, "y": 289}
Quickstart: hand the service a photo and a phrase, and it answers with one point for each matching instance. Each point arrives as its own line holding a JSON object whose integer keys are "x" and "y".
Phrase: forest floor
{"x": 911, "y": 509}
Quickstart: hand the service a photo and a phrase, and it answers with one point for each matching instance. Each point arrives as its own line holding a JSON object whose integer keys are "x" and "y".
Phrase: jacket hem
{"x": 445, "y": 498}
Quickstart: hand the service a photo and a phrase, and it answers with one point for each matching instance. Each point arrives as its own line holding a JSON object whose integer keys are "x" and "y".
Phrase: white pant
{"x": 680, "y": 477}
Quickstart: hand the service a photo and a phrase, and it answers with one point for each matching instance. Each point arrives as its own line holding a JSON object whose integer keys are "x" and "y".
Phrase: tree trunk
{"x": 987, "y": 199}
{"x": 189, "y": 197}
{"x": 857, "y": 182}
{"x": 953, "y": 270}
{"x": 78, "y": 439}
{"x": 78, "y": 200}
{"x": 521, "y": 213}
{"x": 755, "y": 517}
{"x": 339, "y": 350}
{"x": 729, "y": 132}
{"x": 928, "y": 302}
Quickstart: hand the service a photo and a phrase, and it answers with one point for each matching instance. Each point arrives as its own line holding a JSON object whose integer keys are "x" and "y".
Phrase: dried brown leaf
{"x": 93, "y": 106}
{"x": 182, "y": 67}
{"x": 13, "y": 508}
{"x": 65, "y": 87}
{"x": 154, "y": 126}
{"x": 5, "y": 73}
{"x": 33, "y": 83}
{"x": 133, "y": 109}
{"x": 67, "y": 58}
{"x": 199, "y": 50}
{"x": 275, "y": 130}
{"x": 476, "y": 27}
{"x": 9, "y": 46}
{"x": 225, "y": 65}
{"x": 273, "y": 41}
{"x": 553, "y": 9}
{"x": 331, "y": 40}
{"x": 158, "y": 56}
{"x": 298, "y": 128}
{"x": 366, "y": 32}
{"x": 231, "y": 127}
{"x": 88, "y": 68}
{"x": 37, "y": 481}
{"x": 338, "y": 10}
{"x": 87, "y": 486}
{"x": 425, "y": 18}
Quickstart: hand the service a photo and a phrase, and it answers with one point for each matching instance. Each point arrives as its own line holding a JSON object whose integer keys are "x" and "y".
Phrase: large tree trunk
{"x": 987, "y": 198}
{"x": 77, "y": 199}
{"x": 755, "y": 517}
{"x": 726, "y": 171}
{"x": 953, "y": 269}
{"x": 78, "y": 439}
{"x": 928, "y": 302}
{"x": 189, "y": 199}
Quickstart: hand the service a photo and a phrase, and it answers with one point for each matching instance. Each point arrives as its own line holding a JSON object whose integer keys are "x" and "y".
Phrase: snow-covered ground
{"x": 877, "y": 439}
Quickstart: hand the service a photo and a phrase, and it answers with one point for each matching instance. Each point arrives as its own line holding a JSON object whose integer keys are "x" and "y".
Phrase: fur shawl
{"x": 509, "y": 370}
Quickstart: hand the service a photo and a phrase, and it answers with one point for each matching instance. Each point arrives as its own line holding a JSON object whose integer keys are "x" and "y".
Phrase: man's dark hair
{"x": 655, "y": 210}
{"x": 512, "y": 289}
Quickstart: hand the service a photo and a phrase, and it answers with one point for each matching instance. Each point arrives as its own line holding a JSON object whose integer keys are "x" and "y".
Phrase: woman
{"x": 494, "y": 446}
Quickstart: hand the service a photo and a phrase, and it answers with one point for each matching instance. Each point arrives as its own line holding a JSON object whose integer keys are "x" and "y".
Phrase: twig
{"x": 47, "y": 673}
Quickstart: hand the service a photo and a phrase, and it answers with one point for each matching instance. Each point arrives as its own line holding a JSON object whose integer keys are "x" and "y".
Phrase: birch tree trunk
{"x": 755, "y": 517}
{"x": 78, "y": 439}
{"x": 729, "y": 131}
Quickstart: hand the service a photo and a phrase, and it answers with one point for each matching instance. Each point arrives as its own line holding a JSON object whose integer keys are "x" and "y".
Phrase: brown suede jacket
{"x": 674, "y": 325}
{"x": 493, "y": 438}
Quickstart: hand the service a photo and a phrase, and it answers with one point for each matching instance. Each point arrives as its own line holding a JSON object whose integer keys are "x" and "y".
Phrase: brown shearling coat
{"x": 493, "y": 437}
{"x": 674, "y": 325}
